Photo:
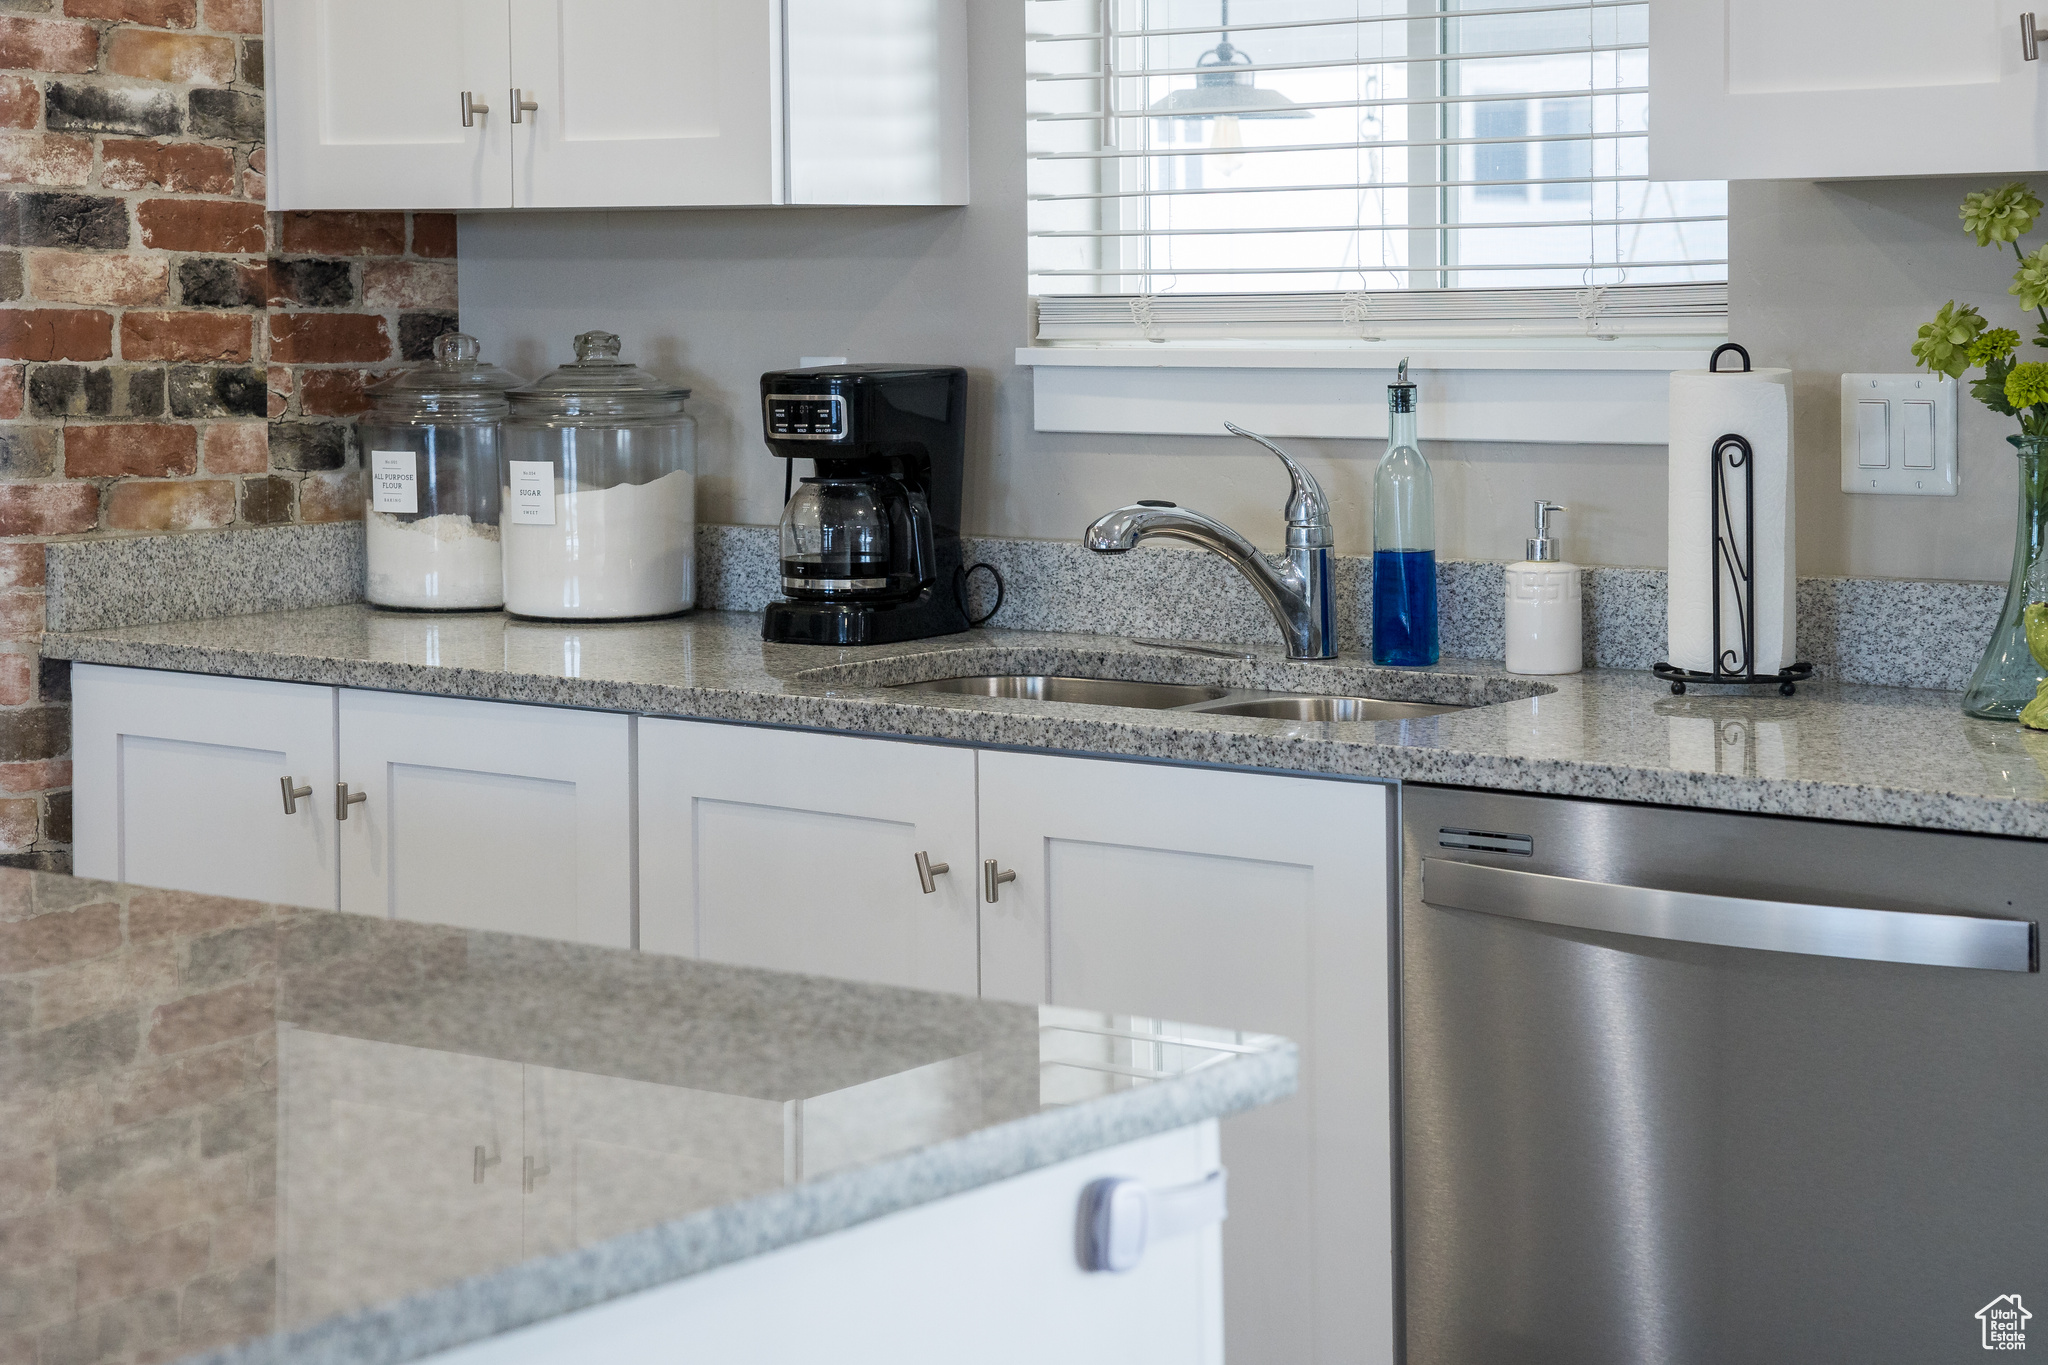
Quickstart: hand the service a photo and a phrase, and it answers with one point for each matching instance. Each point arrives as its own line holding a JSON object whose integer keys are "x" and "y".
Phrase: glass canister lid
{"x": 597, "y": 384}
{"x": 454, "y": 384}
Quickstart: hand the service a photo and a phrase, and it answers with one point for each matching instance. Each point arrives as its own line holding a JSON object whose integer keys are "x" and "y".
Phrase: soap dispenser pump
{"x": 1543, "y": 610}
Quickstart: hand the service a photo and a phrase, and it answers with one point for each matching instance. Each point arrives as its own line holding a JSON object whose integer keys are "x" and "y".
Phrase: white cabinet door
{"x": 366, "y": 104}
{"x": 646, "y": 102}
{"x": 877, "y": 102}
{"x": 397, "y": 1166}
{"x": 1815, "y": 89}
{"x": 797, "y": 851}
{"x": 177, "y": 783}
{"x": 488, "y": 815}
{"x": 1256, "y": 901}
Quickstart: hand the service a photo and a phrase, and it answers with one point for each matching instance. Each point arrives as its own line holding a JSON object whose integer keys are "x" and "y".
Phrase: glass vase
{"x": 2008, "y": 674}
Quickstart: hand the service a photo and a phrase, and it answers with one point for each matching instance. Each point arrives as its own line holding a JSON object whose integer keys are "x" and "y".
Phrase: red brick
{"x": 48, "y": 774}
{"x": 130, "y": 450}
{"x": 56, "y": 334}
{"x": 180, "y": 167}
{"x": 315, "y": 338}
{"x": 186, "y": 336}
{"x": 21, "y": 103}
{"x": 21, "y": 566}
{"x": 21, "y": 616}
{"x": 202, "y": 225}
{"x": 48, "y": 509}
{"x": 149, "y": 13}
{"x": 18, "y": 825}
{"x": 193, "y": 505}
{"x": 50, "y": 940}
{"x": 259, "y": 160}
{"x": 160, "y": 1262}
{"x": 433, "y": 234}
{"x": 45, "y": 159}
{"x": 187, "y": 1081}
{"x": 49, "y": 45}
{"x": 98, "y": 277}
{"x": 166, "y": 914}
{"x": 237, "y": 448}
{"x": 254, "y": 186}
{"x": 25, "y": 1180}
{"x": 333, "y": 496}
{"x": 59, "y": 1233}
{"x": 212, "y": 1017}
{"x": 17, "y": 688}
{"x": 344, "y": 234}
{"x": 333, "y": 393}
{"x": 409, "y": 284}
{"x": 234, "y": 16}
{"x": 10, "y": 391}
{"x": 181, "y": 58}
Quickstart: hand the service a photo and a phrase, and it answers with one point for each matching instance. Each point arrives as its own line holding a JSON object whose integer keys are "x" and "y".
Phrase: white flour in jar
{"x": 628, "y": 550}
{"x": 447, "y": 562}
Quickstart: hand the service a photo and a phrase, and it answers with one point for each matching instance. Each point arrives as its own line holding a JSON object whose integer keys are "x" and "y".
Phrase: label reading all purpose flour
{"x": 533, "y": 493}
{"x": 394, "y": 481}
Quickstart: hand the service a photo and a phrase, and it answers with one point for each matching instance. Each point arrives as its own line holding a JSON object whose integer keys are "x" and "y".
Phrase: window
{"x": 1368, "y": 169}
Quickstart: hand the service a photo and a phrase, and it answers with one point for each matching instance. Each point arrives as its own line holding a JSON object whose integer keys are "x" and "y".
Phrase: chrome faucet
{"x": 1301, "y": 594}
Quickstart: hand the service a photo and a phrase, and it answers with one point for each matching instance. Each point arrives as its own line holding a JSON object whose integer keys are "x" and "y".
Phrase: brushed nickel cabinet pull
{"x": 522, "y": 105}
{"x": 483, "y": 1162}
{"x": 342, "y": 800}
{"x": 471, "y": 107}
{"x": 292, "y": 795}
{"x": 530, "y": 1173}
{"x": 991, "y": 878}
{"x": 2030, "y": 38}
{"x": 927, "y": 870}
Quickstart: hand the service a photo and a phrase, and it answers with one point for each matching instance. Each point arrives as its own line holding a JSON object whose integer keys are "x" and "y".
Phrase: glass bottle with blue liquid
{"x": 1403, "y": 541}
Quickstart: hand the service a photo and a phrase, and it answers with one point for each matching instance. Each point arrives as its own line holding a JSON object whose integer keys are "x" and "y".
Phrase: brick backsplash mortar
{"x": 172, "y": 357}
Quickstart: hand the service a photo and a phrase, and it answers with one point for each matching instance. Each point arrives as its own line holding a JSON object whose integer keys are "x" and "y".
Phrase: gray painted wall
{"x": 1827, "y": 279}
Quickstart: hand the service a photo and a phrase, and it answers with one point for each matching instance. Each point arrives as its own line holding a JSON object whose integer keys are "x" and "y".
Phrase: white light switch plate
{"x": 1899, "y": 434}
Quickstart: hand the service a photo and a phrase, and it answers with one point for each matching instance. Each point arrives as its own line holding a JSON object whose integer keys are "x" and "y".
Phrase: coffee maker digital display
{"x": 870, "y": 545}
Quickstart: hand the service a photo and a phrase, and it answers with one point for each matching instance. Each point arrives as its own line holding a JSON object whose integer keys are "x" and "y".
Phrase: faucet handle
{"x": 1308, "y": 511}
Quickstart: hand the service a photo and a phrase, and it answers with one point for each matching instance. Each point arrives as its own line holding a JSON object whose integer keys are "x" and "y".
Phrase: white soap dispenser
{"x": 1543, "y": 616}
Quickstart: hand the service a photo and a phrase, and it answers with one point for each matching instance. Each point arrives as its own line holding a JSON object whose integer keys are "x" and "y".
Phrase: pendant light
{"x": 1224, "y": 89}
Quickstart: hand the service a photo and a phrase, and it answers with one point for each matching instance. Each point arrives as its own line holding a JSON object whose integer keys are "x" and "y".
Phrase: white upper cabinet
{"x": 616, "y": 103}
{"x": 366, "y": 111}
{"x": 1818, "y": 89}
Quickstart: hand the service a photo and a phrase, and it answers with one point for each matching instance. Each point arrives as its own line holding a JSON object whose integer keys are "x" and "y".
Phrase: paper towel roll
{"x": 1705, "y": 406}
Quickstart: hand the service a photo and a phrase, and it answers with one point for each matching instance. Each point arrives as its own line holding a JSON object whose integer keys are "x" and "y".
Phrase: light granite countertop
{"x": 220, "y": 1121}
{"x": 1876, "y": 755}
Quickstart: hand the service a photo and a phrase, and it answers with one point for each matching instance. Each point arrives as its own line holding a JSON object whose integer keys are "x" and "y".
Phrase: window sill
{"x": 1564, "y": 394}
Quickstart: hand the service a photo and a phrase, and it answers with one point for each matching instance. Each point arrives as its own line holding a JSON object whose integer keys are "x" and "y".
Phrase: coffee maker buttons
{"x": 807, "y": 417}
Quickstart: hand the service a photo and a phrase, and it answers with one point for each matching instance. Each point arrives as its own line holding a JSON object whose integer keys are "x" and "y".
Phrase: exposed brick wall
{"x": 172, "y": 358}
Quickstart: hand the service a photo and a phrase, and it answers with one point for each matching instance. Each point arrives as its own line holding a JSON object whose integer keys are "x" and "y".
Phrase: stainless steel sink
{"x": 1291, "y": 707}
{"x": 1153, "y": 696}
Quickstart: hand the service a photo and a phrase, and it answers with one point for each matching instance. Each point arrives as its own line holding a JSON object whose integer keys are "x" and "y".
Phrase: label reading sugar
{"x": 532, "y": 500}
{"x": 394, "y": 481}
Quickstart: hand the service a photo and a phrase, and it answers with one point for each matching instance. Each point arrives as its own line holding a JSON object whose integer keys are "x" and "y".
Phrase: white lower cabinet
{"x": 798, "y": 851}
{"x": 487, "y": 815}
{"x": 177, "y": 783}
{"x": 1249, "y": 899}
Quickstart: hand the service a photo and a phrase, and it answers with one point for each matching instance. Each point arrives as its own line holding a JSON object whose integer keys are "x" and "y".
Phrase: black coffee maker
{"x": 871, "y": 543}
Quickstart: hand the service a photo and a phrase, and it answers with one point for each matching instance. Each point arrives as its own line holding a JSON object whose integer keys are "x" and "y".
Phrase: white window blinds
{"x": 1357, "y": 168}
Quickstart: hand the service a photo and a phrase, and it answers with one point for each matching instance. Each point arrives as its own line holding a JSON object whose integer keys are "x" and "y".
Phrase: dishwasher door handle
{"x": 2004, "y": 945}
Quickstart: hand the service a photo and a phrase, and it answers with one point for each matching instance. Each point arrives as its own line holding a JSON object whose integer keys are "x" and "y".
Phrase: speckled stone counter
{"x": 1877, "y": 755}
{"x": 241, "y": 1133}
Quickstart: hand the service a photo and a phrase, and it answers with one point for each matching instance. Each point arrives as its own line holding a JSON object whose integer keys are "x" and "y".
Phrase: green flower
{"x": 1996, "y": 344}
{"x": 2030, "y": 281}
{"x": 2027, "y": 385}
{"x": 1944, "y": 343}
{"x": 2001, "y": 215}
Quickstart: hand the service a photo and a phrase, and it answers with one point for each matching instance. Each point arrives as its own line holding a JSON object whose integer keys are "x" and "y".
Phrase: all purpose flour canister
{"x": 598, "y": 485}
{"x": 430, "y": 448}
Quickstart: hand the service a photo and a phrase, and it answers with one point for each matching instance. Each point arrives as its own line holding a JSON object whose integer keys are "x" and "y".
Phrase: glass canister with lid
{"x": 599, "y": 488}
{"x": 431, "y": 449}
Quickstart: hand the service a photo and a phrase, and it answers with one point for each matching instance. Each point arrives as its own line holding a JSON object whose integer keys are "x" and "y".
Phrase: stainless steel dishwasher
{"x": 1685, "y": 1088}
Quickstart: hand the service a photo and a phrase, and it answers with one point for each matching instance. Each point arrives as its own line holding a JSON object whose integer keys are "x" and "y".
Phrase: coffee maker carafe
{"x": 870, "y": 545}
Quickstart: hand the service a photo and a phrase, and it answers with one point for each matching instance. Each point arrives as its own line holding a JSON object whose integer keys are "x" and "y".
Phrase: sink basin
{"x": 1092, "y": 691}
{"x": 1287, "y": 707}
